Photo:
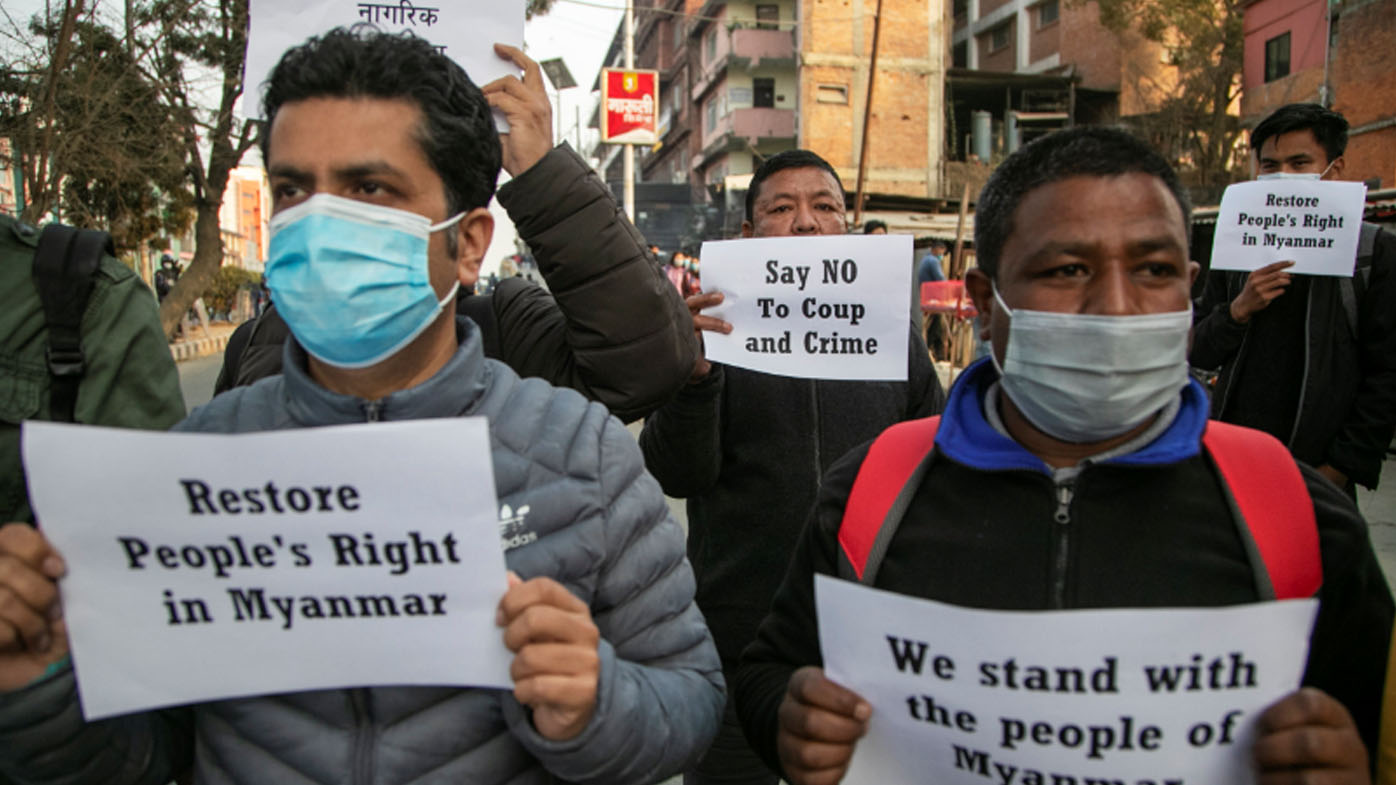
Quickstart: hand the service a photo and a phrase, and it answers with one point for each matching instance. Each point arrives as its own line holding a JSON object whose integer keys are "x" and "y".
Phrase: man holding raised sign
{"x": 1075, "y": 469}
{"x": 1308, "y": 358}
{"x": 747, "y": 448}
{"x": 382, "y": 158}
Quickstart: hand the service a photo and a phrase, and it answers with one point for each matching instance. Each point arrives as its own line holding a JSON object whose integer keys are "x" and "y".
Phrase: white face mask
{"x": 1084, "y": 378}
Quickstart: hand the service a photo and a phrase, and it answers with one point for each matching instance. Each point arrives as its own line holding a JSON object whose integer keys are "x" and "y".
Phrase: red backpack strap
{"x": 1274, "y": 505}
{"x": 885, "y": 483}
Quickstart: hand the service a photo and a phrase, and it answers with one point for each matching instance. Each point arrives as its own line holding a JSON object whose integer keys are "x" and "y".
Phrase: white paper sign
{"x": 1314, "y": 223}
{"x": 464, "y": 30}
{"x": 1137, "y": 696}
{"x": 208, "y": 566}
{"x": 831, "y": 307}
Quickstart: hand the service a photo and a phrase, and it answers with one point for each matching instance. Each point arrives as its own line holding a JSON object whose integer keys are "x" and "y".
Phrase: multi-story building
{"x": 1334, "y": 54}
{"x": 243, "y": 218}
{"x": 10, "y": 185}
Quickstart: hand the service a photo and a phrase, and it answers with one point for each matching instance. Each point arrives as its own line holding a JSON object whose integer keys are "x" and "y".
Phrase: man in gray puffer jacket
{"x": 615, "y": 675}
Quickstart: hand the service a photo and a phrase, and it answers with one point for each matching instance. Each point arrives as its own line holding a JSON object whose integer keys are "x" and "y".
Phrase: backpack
{"x": 64, "y": 265}
{"x": 1274, "y": 513}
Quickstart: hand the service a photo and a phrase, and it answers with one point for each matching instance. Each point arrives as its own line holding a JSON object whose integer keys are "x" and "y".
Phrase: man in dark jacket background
{"x": 609, "y": 325}
{"x": 747, "y": 449}
{"x": 1311, "y": 360}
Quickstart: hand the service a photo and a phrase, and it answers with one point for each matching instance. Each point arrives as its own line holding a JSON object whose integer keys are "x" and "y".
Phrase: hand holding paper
{"x": 1262, "y": 287}
{"x": 525, "y": 105}
{"x": 1310, "y": 737}
{"x": 696, "y": 303}
{"x": 556, "y": 666}
{"x": 32, "y": 635}
{"x": 820, "y": 722}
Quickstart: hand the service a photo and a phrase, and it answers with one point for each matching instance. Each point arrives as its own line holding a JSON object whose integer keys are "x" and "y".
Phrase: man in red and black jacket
{"x": 1069, "y": 472}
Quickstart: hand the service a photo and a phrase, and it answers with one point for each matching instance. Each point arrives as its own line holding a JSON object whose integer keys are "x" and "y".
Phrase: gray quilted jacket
{"x": 603, "y": 531}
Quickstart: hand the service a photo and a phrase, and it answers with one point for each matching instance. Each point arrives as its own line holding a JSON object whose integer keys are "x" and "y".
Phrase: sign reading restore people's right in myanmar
{"x": 211, "y": 566}
{"x": 830, "y": 307}
{"x": 1313, "y": 223}
{"x": 1117, "y": 697}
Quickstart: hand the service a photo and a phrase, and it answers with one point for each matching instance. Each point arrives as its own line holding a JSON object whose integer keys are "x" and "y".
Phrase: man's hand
{"x": 819, "y": 724}
{"x": 1334, "y": 476}
{"x": 696, "y": 303}
{"x": 556, "y": 667}
{"x": 32, "y": 635}
{"x": 1308, "y": 737}
{"x": 525, "y": 105}
{"x": 1262, "y": 286}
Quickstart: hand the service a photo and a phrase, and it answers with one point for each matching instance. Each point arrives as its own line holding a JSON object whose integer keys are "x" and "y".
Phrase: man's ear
{"x": 473, "y": 235}
{"x": 1335, "y": 169}
{"x": 981, "y": 291}
{"x": 1194, "y": 270}
{"x": 747, "y": 228}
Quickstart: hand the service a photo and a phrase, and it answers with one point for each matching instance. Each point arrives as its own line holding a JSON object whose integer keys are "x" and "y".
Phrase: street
{"x": 196, "y": 379}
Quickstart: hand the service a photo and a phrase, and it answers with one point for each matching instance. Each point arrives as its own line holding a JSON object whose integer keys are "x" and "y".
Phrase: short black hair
{"x": 457, "y": 133}
{"x": 1328, "y": 127}
{"x": 871, "y": 225}
{"x": 787, "y": 159}
{"x": 1074, "y": 152}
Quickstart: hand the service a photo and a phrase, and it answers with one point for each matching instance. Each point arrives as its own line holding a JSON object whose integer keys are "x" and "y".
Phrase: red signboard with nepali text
{"x": 629, "y": 106}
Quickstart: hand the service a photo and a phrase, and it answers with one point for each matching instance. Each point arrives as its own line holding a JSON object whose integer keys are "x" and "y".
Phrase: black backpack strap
{"x": 480, "y": 309}
{"x": 64, "y": 265}
{"x": 1351, "y": 290}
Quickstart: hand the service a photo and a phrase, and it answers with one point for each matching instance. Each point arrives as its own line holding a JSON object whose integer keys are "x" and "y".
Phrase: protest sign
{"x": 965, "y": 696}
{"x": 830, "y": 307}
{"x": 210, "y": 566}
{"x": 464, "y": 31}
{"x": 1313, "y": 223}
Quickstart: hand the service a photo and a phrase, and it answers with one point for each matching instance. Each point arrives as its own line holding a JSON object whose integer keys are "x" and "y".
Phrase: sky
{"x": 578, "y": 31}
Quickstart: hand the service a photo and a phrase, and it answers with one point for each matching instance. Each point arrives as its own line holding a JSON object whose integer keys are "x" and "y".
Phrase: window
{"x": 998, "y": 37}
{"x": 960, "y": 8}
{"x": 710, "y": 118}
{"x": 763, "y": 92}
{"x": 678, "y": 25}
{"x": 767, "y": 17}
{"x": 831, "y": 93}
{"x": 710, "y": 44}
{"x": 959, "y": 55}
{"x": 1048, "y": 12}
{"x": 1277, "y": 57}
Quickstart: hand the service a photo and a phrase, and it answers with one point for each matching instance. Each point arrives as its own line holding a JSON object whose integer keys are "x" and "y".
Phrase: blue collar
{"x": 967, "y": 437}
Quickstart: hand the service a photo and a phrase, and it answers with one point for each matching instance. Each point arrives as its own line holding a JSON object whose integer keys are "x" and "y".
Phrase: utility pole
{"x": 867, "y": 120}
{"x": 628, "y": 152}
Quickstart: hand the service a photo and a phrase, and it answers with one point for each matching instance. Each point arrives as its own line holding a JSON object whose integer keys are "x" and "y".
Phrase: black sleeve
{"x": 682, "y": 440}
{"x": 1216, "y": 337}
{"x": 1360, "y": 446}
{"x": 232, "y": 356}
{"x": 613, "y": 328}
{"x": 1348, "y": 649}
{"x": 788, "y": 638}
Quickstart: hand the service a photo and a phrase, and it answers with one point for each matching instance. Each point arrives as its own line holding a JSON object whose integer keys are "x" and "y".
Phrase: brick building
{"x": 1337, "y": 54}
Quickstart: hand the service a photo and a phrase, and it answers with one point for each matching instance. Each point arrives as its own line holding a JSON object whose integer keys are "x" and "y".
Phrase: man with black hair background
{"x": 747, "y": 449}
{"x": 1311, "y": 360}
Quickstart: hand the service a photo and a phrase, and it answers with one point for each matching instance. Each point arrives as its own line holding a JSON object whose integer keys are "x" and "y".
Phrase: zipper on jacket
{"x": 1061, "y": 519}
{"x": 373, "y": 410}
{"x": 364, "y": 741}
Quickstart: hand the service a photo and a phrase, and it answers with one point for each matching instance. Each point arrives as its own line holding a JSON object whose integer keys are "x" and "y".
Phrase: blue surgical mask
{"x": 351, "y": 278}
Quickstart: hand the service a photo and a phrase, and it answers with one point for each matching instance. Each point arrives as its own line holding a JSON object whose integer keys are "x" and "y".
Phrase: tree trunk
{"x": 198, "y": 276}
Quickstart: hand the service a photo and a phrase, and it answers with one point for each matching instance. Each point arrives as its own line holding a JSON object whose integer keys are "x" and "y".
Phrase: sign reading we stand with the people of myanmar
{"x": 827, "y": 307}
{"x": 212, "y": 566}
{"x": 964, "y": 696}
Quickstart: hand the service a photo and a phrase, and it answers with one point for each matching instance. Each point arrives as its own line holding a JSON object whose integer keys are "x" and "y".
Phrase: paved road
{"x": 196, "y": 378}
